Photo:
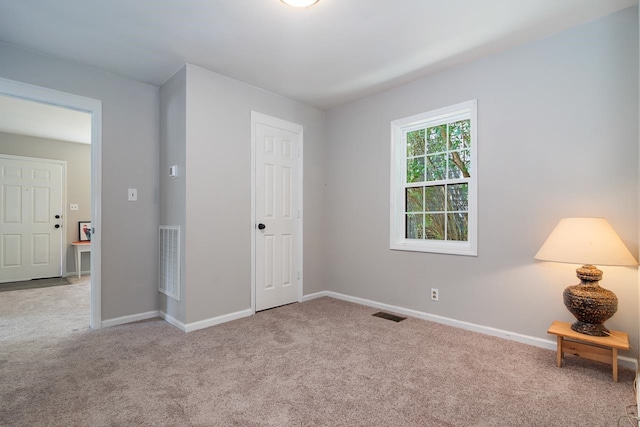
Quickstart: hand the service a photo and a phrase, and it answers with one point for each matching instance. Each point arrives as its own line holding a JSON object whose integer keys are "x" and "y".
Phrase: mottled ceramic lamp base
{"x": 590, "y": 329}
{"x": 589, "y": 303}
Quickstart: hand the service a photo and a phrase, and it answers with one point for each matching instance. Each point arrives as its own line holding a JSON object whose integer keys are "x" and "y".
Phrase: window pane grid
{"x": 438, "y": 153}
{"x": 423, "y": 219}
{"x": 434, "y": 184}
{"x": 435, "y": 212}
{"x": 438, "y": 166}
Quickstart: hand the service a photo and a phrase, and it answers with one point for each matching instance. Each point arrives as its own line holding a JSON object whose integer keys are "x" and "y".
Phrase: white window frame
{"x": 399, "y": 127}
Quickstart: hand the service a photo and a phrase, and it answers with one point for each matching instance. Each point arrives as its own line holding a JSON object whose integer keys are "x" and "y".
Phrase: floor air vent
{"x": 388, "y": 316}
{"x": 169, "y": 261}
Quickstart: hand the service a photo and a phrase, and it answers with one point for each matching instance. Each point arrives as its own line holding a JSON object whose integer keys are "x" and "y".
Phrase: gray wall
{"x": 557, "y": 137}
{"x": 218, "y": 189}
{"x": 130, "y": 135}
{"x": 173, "y": 134}
{"x": 78, "y": 158}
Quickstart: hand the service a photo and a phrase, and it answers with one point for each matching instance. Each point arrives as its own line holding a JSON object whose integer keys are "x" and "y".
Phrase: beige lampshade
{"x": 585, "y": 241}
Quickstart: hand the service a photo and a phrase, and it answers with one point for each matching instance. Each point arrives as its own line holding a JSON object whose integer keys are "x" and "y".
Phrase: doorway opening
{"x": 70, "y": 224}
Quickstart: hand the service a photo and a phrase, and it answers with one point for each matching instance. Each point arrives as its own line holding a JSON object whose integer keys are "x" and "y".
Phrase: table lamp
{"x": 587, "y": 241}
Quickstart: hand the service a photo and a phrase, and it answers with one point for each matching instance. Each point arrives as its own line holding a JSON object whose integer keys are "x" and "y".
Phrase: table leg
{"x": 559, "y": 352}
{"x": 78, "y": 261}
{"x": 614, "y": 363}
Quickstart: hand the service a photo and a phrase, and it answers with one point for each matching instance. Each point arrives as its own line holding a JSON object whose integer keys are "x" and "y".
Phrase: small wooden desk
{"x": 79, "y": 247}
{"x": 601, "y": 349}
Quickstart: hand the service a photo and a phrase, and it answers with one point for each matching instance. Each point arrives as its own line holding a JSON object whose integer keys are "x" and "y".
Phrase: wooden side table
{"x": 600, "y": 349}
{"x": 79, "y": 247}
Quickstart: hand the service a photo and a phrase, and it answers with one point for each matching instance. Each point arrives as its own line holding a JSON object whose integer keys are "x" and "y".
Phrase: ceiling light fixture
{"x": 300, "y": 3}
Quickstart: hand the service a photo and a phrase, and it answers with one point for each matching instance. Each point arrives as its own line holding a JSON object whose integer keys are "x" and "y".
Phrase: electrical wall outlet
{"x": 434, "y": 294}
{"x": 73, "y": 207}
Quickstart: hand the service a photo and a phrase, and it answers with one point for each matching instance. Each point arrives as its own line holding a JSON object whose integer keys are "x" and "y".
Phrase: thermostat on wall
{"x": 173, "y": 171}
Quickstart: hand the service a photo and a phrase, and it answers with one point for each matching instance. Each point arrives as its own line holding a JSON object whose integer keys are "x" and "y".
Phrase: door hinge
{"x": 298, "y": 275}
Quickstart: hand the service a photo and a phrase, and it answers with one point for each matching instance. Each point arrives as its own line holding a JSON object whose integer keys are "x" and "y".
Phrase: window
{"x": 433, "y": 181}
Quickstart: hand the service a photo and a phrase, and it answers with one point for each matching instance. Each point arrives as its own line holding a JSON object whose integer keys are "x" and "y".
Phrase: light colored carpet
{"x": 320, "y": 363}
{"x": 30, "y": 316}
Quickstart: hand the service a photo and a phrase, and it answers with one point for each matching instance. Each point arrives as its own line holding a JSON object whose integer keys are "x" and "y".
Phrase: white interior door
{"x": 277, "y": 216}
{"x": 30, "y": 219}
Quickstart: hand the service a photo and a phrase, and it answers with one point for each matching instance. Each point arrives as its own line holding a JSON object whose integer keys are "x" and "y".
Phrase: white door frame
{"x": 63, "y": 240}
{"x": 94, "y": 107}
{"x": 297, "y": 129}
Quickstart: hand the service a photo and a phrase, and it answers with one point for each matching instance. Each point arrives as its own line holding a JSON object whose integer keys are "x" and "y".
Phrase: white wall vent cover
{"x": 169, "y": 261}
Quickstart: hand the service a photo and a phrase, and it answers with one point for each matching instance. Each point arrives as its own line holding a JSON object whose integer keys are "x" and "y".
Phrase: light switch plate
{"x": 73, "y": 207}
{"x": 133, "y": 194}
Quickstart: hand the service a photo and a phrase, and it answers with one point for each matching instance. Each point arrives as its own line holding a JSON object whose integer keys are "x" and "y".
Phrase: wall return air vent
{"x": 169, "y": 261}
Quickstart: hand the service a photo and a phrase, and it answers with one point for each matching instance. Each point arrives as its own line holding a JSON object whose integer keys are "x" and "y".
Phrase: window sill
{"x": 448, "y": 248}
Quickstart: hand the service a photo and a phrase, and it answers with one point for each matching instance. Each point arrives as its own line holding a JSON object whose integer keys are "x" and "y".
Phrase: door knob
{"x": 57, "y": 217}
{"x": 261, "y": 226}
{"x": 57, "y": 226}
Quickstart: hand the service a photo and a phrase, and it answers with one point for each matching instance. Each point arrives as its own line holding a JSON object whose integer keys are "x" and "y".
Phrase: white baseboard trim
{"x": 314, "y": 296}
{"x": 73, "y": 273}
{"x": 513, "y": 336}
{"x": 201, "y": 324}
{"x": 128, "y": 319}
{"x": 172, "y": 320}
{"x": 190, "y": 327}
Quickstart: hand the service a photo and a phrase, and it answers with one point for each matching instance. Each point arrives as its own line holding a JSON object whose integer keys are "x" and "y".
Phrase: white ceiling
{"x": 334, "y": 52}
{"x": 30, "y": 118}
